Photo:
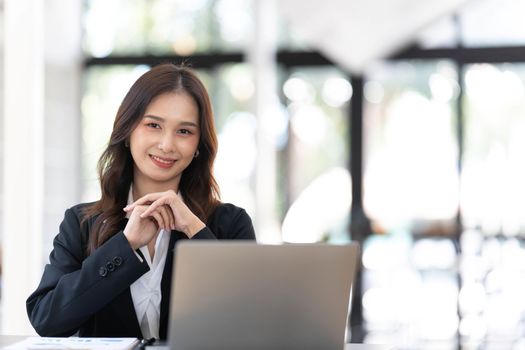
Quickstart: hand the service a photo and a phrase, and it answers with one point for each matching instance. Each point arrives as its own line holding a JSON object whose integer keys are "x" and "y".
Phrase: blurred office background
{"x": 399, "y": 124}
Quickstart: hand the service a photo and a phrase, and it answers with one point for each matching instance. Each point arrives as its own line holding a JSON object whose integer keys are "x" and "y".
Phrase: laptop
{"x": 243, "y": 295}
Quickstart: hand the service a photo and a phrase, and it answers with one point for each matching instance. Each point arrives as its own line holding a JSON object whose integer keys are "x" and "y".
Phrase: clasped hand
{"x": 160, "y": 210}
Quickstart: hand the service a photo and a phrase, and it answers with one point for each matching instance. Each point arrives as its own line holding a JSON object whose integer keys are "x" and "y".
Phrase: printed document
{"x": 74, "y": 343}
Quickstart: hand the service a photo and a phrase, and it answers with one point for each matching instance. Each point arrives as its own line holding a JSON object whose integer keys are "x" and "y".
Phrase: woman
{"x": 110, "y": 269}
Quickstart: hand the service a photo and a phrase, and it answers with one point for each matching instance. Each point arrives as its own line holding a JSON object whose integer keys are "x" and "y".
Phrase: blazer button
{"x": 110, "y": 266}
{"x": 117, "y": 260}
{"x": 102, "y": 271}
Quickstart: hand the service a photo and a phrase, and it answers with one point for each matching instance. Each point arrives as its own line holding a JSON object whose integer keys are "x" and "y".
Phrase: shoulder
{"x": 77, "y": 218}
{"x": 73, "y": 232}
{"x": 225, "y": 210}
{"x": 229, "y": 221}
{"x": 78, "y": 211}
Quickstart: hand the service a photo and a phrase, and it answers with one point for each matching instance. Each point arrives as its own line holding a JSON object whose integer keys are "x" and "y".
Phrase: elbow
{"x": 41, "y": 324}
{"x": 45, "y": 323}
{"x": 45, "y": 328}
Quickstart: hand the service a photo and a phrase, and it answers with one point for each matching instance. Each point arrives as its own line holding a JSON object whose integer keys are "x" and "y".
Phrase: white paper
{"x": 73, "y": 343}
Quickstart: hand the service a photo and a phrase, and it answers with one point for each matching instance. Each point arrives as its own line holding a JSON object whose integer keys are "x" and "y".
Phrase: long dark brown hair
{"x": 115, "y": 167}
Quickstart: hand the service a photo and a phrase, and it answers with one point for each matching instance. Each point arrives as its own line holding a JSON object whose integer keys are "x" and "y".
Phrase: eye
{"x": 185, "y": 132}
{"x": 153, "y": 125}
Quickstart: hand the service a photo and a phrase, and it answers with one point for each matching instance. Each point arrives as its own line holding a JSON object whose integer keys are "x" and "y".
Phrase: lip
{"x": 162, "y": 162}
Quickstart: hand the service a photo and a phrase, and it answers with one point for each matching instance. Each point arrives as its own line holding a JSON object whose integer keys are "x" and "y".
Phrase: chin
{"x": 163, "y": 178}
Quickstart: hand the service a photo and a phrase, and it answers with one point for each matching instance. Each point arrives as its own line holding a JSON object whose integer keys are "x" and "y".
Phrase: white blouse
{"x": 145, "y": 291}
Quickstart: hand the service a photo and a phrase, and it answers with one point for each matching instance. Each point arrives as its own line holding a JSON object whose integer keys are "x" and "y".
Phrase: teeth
{"x": 163, "y": 161}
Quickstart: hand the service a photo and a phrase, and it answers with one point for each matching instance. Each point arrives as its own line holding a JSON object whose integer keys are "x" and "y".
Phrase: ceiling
{"x": 355, "y": 33}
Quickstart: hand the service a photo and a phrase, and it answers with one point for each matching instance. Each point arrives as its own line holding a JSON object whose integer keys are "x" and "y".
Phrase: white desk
{"x": 347, "y": 347}
{"x": 6, "y": 340}
{"x": 11, "y": 339}
{"x": 367, "y": 347}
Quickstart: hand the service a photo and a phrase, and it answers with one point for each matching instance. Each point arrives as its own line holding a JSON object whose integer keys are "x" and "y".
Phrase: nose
{"x": 166, "y": 143}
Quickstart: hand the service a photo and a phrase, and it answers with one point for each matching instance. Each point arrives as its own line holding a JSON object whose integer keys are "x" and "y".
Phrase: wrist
{"x": 134, "y": 245}
{"x": 193, "y": 228}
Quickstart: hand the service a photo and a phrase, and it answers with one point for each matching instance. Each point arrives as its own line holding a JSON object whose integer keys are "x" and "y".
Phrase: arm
{"x": 227, "y": 222}
{"x": 73, "y": 288}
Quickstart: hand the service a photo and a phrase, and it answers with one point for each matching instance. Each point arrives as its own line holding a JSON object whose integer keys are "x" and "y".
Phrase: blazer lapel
{"x": 165, "y": 284}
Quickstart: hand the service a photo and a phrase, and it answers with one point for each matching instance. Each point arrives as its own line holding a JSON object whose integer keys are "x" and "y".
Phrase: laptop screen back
{"x": 238, "y": 295}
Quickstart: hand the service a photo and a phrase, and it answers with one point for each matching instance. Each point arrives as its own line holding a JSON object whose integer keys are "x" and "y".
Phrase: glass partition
{"x": 411, "y": 194}
{"x": 318, "y": 185}
{"x": 145, "y": 27}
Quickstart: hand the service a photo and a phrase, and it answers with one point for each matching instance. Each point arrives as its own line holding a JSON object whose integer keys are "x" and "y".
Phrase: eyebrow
{"x": 160, "y": 119}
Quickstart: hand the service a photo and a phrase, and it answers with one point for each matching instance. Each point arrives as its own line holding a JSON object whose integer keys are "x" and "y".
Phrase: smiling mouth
{"x": 162, "y": 162}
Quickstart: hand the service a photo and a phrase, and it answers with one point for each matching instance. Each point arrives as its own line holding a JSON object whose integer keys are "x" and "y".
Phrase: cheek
{"x": 190, "y": 146}
{"x": 139, "y": 139}
{"x": 134, "y": 138}
{"x": 136, "y": 146}
{"x": 134, "y": 153}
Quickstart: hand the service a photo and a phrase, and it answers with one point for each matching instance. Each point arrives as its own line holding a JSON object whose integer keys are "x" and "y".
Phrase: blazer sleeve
{"x": 228, "y": 222}
{"x": 74, "y": 287}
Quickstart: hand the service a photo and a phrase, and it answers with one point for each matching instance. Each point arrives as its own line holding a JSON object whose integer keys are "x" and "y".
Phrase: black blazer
{"x": 90, "y": 294}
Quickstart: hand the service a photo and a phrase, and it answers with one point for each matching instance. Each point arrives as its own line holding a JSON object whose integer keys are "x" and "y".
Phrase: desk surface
{"x": 11, "y": 339}
{"x": 347, "y": 347}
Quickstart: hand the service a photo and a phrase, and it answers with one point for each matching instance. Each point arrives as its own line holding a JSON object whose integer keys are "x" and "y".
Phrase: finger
{"x": 132, "y": 206}
{"x": 150, "y": 197}
{"x": 154, "y": 220}
{"x": 168, "y": 216}
{"x": 172, "y": 218}
{"x": 152, "y": 207}
{"x": 160, "y": 221}
{"x": 165, "y": 216}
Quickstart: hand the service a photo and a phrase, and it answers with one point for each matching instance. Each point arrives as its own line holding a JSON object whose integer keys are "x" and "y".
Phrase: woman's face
{"x": 165, "y": 141}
